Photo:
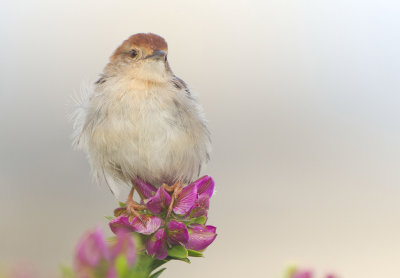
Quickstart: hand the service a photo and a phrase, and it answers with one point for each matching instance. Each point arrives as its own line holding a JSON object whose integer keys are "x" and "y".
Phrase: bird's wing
{"x": 181, "y": 85}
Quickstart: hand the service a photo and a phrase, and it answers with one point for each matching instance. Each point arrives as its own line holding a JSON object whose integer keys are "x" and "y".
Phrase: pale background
{"x": 302, "y": 98}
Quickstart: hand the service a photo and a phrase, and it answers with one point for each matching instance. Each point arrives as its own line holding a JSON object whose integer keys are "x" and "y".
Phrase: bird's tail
{"x": 78, "y": 112}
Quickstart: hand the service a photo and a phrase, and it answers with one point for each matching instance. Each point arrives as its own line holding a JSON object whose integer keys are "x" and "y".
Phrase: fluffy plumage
{"x": 141, "y": 120}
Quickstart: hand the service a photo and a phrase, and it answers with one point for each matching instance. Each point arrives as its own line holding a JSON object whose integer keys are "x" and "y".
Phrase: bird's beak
{"x": 157, "y": 54}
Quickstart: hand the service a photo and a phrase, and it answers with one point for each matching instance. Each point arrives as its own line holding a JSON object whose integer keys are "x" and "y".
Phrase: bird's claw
{"x": 132, "y": 209}
{"x": 176, "y": 188}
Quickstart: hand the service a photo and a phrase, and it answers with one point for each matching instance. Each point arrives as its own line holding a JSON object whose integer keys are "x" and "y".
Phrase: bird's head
{"x": 142, "y": 56}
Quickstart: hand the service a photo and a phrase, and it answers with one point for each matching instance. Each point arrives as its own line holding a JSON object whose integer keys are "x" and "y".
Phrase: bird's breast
{"x": 142, "y": 117}
{"x": 151, "y": 132}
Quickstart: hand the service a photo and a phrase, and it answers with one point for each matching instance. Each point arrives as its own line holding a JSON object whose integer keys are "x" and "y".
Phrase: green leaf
{"x": 121, "y": 204}
{"x": 158, "y": 263}
{"x": 158, "y": 273}
{"x": 109, "y": 217}
{"x": 186, "y": 260}
{"x": 178, "y": 251}
{"x": 142, "y": 267}
{"x": 200, "y": 220}
{"x": 193, "y": 253}
{"x": 121, "y": 264}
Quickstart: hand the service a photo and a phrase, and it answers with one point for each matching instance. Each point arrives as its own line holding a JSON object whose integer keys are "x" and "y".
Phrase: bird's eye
{"x": 133, "y": 53}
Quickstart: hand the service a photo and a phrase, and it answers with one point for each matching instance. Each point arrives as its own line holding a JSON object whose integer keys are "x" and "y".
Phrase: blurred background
{"x": 302, "y": 99}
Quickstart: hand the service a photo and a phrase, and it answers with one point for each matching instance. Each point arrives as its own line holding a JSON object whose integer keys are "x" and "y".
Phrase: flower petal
{"x": 111, "y": 272}
{"x": 201, "y": 206}
{"x": 119, "y": 211}
{"x": 120, "y": 223}
{"x": 186, "y": 199}
{"x": 302, "y": 274}
{"x": 157, "y": 245}
{"x": 330, "y": 276}
{"x": 91, "y": 249}
{"x": 205, "y": 185}
{"x": 145, "y": 190}
{"x": 124, "y": 245}
{"x": 159, "y": 201}
{"x": 177, "y": 233}
{"x": 149, "y": 225}
{"x": 200, "y": 236}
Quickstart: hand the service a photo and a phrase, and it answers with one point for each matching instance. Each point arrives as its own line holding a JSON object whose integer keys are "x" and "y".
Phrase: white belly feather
{"x": 158, "y": 135}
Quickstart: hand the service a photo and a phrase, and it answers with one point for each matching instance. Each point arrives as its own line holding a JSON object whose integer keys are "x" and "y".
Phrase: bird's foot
{"x": 132, "y": 209}
{"x": 176, "y": 188}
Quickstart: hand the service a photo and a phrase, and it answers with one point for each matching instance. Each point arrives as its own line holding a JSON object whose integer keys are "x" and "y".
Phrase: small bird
{"x": 141, "y": 121}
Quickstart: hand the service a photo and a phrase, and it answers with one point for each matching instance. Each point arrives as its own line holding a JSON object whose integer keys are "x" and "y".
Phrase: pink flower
{"x": 92, "y": 250}
{"x": 299, "y": 273}
{"x": 177, "y": 233}
{"x": 145, "y": 190}
{"x": 194, "y": 197}
{"x": 163, "y": 231}
{"x": 95, "y": 257}
{"x": 157, "y": 246}
{"x": 205, "y": 185}
{"x": 185, "y": 200}
{"x": 302, "y": 274}
{"x": 205, "y": 189}
{"x": 159, "y": 202}
{"x": 124, "y": 245}
{"x": 147, "y": 226}
{"x": 200, "y": 236}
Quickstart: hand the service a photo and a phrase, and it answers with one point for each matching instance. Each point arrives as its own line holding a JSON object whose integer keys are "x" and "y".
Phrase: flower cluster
{"x": 294, "y": 272}
{"x": 163, "y": 232}
{"x": 95, "y": 257}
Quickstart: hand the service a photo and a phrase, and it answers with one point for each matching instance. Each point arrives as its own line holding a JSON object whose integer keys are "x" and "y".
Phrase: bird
{"x": 141, "y": 121}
